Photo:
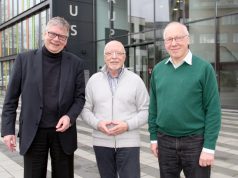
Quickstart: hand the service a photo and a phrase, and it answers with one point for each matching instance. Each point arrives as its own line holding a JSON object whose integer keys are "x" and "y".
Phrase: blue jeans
{"x": 118, "y": 162}
{"x": 181, "y": 153}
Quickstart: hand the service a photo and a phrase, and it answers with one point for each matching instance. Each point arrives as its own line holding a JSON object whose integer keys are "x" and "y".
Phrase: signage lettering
{"x": 74, "y": 13}
{"x": 75, "y": 10}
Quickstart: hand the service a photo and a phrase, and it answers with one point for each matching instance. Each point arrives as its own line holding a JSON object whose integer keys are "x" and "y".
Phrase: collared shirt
{"x": 113, "y": 81}
{"x": 187, "y": 59}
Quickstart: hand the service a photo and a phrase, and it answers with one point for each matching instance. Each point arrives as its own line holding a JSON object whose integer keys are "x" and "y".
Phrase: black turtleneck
{"x": 51, "y": 83}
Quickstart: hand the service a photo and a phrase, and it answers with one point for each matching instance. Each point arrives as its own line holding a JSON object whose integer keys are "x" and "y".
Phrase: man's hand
{"x": 154, "y": 149}
{"x": 118, "y": 127}
{"x": 103, "y": 126}
{"x": 10, "y": 142}
{"x": 63, "y": 124}
{"x": 206, "y": 159}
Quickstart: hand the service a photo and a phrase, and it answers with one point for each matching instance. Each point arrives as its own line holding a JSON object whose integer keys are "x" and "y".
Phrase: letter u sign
{"x": 75, "y": 12}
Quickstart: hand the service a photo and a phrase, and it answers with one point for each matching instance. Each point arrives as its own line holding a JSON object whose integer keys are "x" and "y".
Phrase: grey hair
{"x": 58, "y": 21}
{"x": 176, "y": 23}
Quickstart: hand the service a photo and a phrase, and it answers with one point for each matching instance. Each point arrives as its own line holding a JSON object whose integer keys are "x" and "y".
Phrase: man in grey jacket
{"x": 116, "y": 107}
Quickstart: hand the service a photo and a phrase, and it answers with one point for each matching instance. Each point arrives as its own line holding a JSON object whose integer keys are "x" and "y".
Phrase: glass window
{"x": 235, "y": 38}
{"x": 162, "y": 11}
{"x": 228, "y": 57}
{"x": 15, "y": 7}
{"x": 25, "y": 4}
{"x": 112, "y": 20}
{"x": 25, "y": 32}
{"x": 142, "y": 18}
{"x": 2, "y": 11}
{"x": 10, "y": 9}
{"x": 227, "y": 7}
{"x": 5, "y": 73}
{"x": 120, "y": 23}
{"x": 200, "y": 9}
{"x": 223, "y": 38}
{"x": 19, "y": 37}
{"x": 31, "y": 21}
{"x": 6, "y": 14}
{"x": 20, "y": 6}
{"x": 1, "y": 72}
{"x": 1, "y": 44}
{"x": 37, "y": 32}
{"x": 43, "y": 24}
{"x": 14, "y": 41}
{"x": 102, "y": 19}
{"x": 100, "y": 54}
{"x": 7, "y": 39}
{"x": 203, "y": 35}
{"x": 206, "y": 38}
{"x": 38, "y": 1}
{"x": 142, "y": 13}
{"x": 31, "y": 3}
{"x": 10, "y": 41}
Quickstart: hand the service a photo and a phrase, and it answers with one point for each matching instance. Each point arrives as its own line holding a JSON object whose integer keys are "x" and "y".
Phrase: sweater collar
{"x": 46, "y": 52}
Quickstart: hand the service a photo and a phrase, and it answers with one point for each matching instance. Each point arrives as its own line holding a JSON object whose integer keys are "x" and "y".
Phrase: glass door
{"x": 140, "y": 59}
{"x": 228, "y": 58}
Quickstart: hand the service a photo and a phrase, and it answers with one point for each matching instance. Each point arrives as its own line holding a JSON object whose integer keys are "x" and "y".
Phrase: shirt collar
{"x": 120, "y": 71}
{"x": 187, "y": 59}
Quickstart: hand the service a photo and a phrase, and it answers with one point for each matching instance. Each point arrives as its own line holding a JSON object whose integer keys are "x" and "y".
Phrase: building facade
{"x": 138, "y": 24}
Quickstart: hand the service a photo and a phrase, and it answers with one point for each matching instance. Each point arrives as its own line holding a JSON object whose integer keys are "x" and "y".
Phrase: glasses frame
{"x": 116, "y": 53}
{"x": 177, "y": 39}
{"x": 52, "y": 35}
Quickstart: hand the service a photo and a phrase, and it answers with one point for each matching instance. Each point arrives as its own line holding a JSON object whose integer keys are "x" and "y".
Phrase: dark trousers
{"x": 181, "y": 153}
{"x": 35, "y": 160}
{"x": 118, "y": 162}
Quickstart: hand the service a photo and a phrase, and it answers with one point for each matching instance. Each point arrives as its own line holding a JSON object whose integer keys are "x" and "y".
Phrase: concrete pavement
{"x": 226, "y": 163}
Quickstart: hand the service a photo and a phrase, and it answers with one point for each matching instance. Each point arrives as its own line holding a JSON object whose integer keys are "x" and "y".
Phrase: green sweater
{"x": 185, "y": 101}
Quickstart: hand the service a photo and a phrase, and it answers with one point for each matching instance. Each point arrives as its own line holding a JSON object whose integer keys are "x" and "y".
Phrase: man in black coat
{"x": 51, "y": 84}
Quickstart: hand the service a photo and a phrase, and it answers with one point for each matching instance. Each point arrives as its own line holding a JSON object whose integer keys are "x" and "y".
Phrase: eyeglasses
{"x": 176, "y": 39}
{"x": 117, "y": 53}
{"x": 52, "y": 35}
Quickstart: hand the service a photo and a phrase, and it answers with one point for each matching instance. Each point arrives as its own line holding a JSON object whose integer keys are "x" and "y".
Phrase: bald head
{"x": 115, "y": 43}
{"x": 176, "y": 26}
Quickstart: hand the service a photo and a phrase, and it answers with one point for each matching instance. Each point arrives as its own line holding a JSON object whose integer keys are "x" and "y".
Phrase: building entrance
{"x": 140, "y": 59}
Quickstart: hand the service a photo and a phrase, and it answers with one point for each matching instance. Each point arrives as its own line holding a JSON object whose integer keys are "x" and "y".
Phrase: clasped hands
{"x": 112, "y": 128}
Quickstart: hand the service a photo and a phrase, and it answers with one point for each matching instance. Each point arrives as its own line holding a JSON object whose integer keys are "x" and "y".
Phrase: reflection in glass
{"x": 31, "y": 32}
{"x": 228, "y": 57}
{"x": 43, "y": 24}
{"x": 203, "y": 37}
{"x": 25, "y": 35}
{"x": 227, "y": 7}
{"x": 19, "y": 37}
{"x": 15, "y": 8}
{"x": 14, "y": 32}
{"x": 142, "y": 20}
{"x": 10, "y": 41}
{"x": 1, "y": 45}
{"x": 2, "y": 12}
{"x": 200, "y": 9}
{"x": 37, "y": 32}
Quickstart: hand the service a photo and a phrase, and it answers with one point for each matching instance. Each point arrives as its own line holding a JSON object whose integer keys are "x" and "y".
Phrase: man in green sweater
{"x": 184, "y": 112}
